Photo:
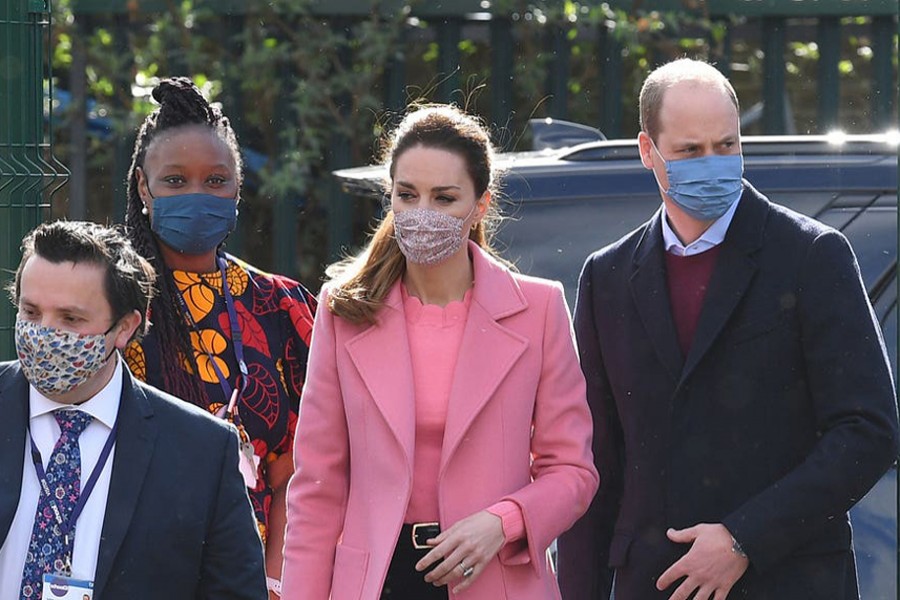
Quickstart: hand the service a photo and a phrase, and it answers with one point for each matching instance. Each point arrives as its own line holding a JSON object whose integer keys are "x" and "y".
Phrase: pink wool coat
{"x": 518, "y": 428}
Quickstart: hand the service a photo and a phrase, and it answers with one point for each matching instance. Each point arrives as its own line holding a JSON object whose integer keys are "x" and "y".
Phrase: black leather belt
{"x": 420, "y": 533}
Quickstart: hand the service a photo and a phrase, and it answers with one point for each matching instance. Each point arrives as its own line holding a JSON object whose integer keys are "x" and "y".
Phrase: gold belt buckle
{"x": 427, "y": 531}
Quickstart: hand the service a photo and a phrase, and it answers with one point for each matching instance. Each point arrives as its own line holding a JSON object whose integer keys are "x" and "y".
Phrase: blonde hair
{"x": 359, "y": 284}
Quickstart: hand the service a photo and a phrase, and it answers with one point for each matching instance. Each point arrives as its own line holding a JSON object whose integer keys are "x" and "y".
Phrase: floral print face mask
{"x": 55, "y": 361}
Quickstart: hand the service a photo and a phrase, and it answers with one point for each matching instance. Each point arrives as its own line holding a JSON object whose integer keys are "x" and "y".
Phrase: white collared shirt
{"x": 711, "y": 238}
{"x": 104, "y": 407}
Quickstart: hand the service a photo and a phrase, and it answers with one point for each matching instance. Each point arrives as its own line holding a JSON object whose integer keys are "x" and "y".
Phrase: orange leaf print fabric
{"x": 274, "y": 314}
{"x": 252, "y": 332}
{"x": 198, "y": 295}
{"x": 301, "y": 317}
{"x": 200, "y": 291}
{"x": 237, "y": 280}
{"x": 207, "y": 345}
{"x": 135, "y": 359}
{"x": 261, "y": 395}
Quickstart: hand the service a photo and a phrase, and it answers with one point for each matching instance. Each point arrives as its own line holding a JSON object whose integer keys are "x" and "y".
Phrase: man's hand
{"x": 711, "y": 567}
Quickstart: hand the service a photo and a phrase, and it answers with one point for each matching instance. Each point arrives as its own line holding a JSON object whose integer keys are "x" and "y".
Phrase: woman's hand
{"x": 467, "y": 547}
{"x": 277, "y": 475}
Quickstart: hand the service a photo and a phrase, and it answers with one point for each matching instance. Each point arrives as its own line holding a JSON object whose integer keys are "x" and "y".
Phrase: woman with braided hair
{"x": 225, "y": 336}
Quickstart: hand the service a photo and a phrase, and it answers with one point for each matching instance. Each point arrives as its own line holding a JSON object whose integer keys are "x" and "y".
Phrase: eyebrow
{"x": 222, "y": 166}
{"x": 26, "y": 303}
{"x": 731, "y": 137}
{"x": 437, "y": 188}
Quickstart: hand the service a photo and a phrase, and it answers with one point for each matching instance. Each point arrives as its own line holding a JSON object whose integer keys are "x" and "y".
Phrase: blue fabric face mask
{"x": 193, "y": 223}
{"x": 706, "y": 187}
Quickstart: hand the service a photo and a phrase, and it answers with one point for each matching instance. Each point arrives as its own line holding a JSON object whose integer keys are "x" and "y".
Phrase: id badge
{"x": 249, "y": 464}
{"x": 60, "y": 587}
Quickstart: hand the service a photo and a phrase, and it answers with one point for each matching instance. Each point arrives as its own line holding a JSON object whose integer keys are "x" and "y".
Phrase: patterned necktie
{"x": 47, "y": 550}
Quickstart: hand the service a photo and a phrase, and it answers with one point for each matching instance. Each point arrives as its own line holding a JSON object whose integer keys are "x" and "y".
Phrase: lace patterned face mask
{"x": 429, "y": 237}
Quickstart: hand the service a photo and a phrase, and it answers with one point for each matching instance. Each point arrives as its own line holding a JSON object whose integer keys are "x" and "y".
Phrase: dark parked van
{"x": 563, "y": 203}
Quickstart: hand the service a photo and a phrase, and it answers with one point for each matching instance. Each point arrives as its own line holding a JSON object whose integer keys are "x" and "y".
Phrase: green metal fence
{"x": 29, "y": 174}
{"x": 451, "y": 20}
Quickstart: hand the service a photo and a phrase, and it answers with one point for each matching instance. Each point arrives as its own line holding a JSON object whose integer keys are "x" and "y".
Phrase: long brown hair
{"x": 359, "y": 284}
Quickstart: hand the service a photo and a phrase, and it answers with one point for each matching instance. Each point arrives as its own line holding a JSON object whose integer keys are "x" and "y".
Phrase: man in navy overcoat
{"x": 741, "y": 394}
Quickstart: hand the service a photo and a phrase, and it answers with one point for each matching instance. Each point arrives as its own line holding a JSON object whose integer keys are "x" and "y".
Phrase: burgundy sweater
{"x": 688, "y": 278}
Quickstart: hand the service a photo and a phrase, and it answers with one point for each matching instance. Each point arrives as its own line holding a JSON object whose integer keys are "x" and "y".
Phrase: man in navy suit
{"x": 739, "y": 384}
{"x": 156, "y": 507}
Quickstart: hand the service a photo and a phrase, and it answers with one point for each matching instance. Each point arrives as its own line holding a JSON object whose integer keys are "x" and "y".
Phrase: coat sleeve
{"x": 233, "y": 565}
{"x": 584, "y": 549}
{"x": 563, "y": 475}
{"x": 853, "y": 404}
{"x": 318, "y": 490}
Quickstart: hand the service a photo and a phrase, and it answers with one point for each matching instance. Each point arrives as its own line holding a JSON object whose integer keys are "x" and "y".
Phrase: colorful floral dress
{"x": 276, "y": 316}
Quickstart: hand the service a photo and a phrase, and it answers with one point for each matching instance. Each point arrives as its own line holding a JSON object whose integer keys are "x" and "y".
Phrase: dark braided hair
{"x": 181, "y": 104}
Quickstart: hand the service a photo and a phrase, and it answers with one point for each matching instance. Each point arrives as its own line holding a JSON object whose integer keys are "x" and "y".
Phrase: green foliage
{"x": 309, "y": 93}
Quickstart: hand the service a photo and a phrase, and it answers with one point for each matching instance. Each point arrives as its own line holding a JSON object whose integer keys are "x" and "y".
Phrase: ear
{"x": 645, "y": 145}
{"x": 143, "y": 186}
{"x": 483, "y": 204}
{"x": 125, "y": 329}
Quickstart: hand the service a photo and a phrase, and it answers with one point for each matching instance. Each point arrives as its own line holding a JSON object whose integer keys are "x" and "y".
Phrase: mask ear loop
{"x": 471, "y": 212}
{"x": 106, "y": 333}
{"x": 665, "y": 164}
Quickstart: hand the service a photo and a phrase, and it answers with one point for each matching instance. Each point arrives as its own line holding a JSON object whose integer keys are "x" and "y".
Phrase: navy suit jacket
{"x": 781, "y": 416}
{"x": 178, "y": 521}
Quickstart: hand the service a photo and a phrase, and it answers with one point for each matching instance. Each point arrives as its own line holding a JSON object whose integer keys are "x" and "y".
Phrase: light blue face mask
{"x": 706, "y": 187}
{"x": 193, "y": 223}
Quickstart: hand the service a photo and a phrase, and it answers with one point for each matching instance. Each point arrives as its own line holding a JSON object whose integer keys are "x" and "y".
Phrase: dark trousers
{"x": 403, "y": 582}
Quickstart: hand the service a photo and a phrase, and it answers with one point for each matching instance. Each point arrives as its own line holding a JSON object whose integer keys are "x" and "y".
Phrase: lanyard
{"x": 66, "y": 526}
{"x": 231, "y": 394}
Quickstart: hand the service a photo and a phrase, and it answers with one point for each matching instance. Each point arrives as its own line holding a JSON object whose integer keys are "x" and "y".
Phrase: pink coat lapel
{"x": 381, "y": 355}
{"x": 488, "y": 350}
{"x": 487, "y": 353}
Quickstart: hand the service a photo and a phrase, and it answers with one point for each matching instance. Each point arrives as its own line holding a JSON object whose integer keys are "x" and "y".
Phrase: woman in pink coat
{"x": 444, "y": 438}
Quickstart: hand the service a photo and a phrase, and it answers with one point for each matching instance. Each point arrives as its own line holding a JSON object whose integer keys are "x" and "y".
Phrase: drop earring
{"x": 144, "y": 211}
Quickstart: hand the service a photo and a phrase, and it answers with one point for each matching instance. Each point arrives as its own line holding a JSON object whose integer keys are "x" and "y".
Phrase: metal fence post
{"x": 884, "y": 89}
{"x": 558, "y": 75}
{"x": 773, "y": 75}
{"x": 611, "y": 67}
{"x": 395, "y": 76}
{"x": 501, "y": 69}
{"x": 449, "y": 34}
{"x": 28, "y": 173}
{"x": 338, "y": 156}
{"x": 77, "y": 209}
{"x": 123, "y": 139}
{"x": 828, "y": 38}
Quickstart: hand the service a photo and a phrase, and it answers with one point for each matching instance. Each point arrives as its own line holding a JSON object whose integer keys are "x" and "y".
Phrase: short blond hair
{"x": 670, "y": 74}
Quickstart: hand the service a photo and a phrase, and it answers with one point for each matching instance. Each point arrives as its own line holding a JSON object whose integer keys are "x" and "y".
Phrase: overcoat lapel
{"x": 488, "y": 350}
{"x": 14, "y": 407}
{"x": 473, "y": 384}
{"x": 381, "y": 356}
{"x": 135, "y": 442}
{"x": 734, "y": 270}
{"x": 651, "y": 297}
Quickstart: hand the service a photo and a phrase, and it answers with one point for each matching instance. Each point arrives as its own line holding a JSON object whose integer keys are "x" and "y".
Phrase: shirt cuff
{"x": 511, "y": 518}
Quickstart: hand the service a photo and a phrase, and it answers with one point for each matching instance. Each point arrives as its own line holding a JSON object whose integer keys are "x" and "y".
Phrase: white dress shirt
{"x": 104, "y": 407}
{"x": 711, "y": 238}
